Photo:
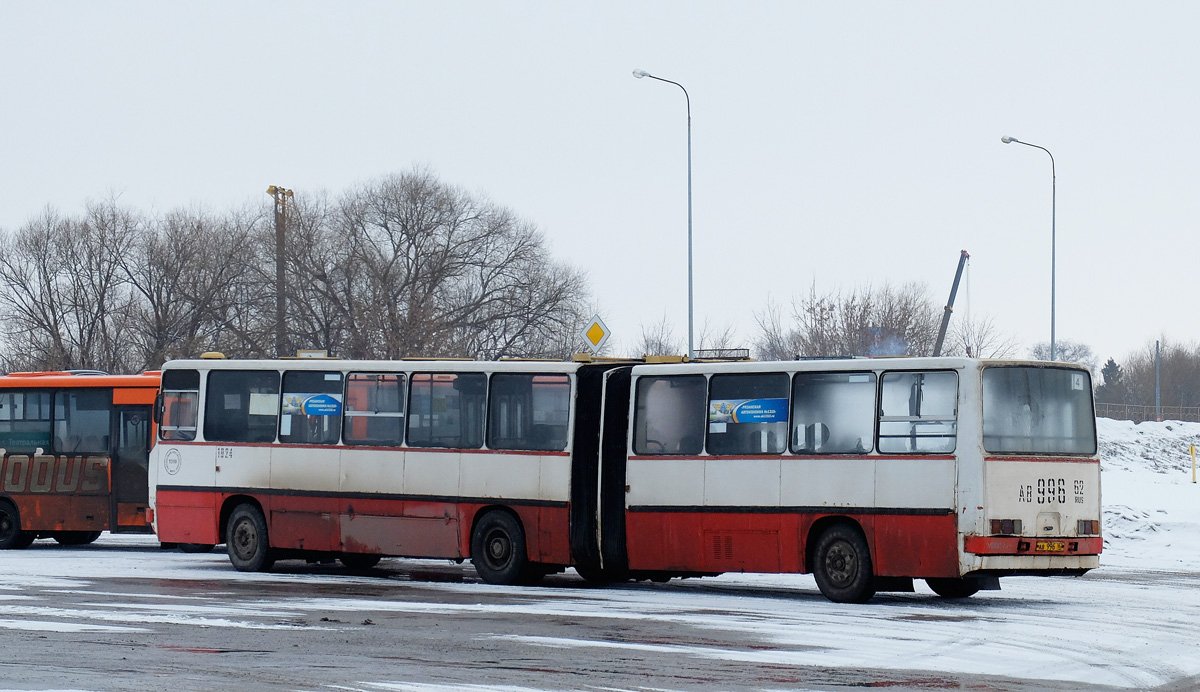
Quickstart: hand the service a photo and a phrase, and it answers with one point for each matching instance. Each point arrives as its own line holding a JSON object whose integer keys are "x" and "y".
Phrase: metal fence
{"x": 1138, "y": 413}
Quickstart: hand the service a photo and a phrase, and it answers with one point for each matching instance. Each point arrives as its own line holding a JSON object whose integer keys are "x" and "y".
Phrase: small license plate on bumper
{"x": 1050, "y": 547}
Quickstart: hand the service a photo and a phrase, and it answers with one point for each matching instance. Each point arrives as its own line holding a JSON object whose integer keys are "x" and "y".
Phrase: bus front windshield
{"x": 1038, "y": 410}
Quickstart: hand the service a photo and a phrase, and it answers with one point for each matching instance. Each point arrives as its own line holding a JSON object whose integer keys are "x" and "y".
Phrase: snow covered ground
{"x": 1132, "y": 624}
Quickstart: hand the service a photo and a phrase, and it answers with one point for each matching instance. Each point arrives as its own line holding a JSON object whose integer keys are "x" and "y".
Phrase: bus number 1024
{"x": 1050, "y": 491}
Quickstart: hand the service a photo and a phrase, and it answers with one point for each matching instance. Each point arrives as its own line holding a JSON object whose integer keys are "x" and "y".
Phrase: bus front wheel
{"x": 498, "y": 550}
{"x": 11, "y": 535}
{"x": 843, "y": 565}
{"x": 246, "y": 539}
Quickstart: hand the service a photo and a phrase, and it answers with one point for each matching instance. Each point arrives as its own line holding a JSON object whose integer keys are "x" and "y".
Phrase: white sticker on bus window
{"x": 859, "y": 378}
{"x": 717, "y": 427}
{"x": 233, "y": 402}
{"x": 263, "y": 404}
{"x": 285, "y": 425}
{"x": 1077, "y": 381}
{"x": 333, "y": 377}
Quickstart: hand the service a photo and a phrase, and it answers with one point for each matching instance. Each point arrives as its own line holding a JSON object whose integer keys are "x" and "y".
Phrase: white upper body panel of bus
{"x": 411, "y": 365}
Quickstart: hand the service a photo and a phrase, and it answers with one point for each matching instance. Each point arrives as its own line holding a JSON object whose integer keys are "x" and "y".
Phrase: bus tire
{"x": 843, "y": 565}
{"x": 195, "y": 547}
{"x": 498, "y": 550}
{"x": 75, "y": 537}
{"x": 246, "y": 539}
{"x": 11, "y": 535}
{"x": 948, "y": 587}
{"x": 359, "y": 560}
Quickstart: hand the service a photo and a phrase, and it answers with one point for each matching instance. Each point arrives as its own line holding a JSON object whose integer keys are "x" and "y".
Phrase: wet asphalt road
{"x": 130, "y": 617}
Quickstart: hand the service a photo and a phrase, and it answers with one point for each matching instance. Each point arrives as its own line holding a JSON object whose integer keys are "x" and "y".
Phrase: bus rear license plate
{"x": 1050, "y": 547}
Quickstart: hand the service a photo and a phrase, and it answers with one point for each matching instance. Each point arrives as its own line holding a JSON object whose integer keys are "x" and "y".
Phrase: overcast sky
{"x": 836, "y": 143}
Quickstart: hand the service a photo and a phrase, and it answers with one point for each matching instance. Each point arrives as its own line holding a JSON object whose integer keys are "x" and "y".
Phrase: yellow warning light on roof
{"x": 595, "y": 334}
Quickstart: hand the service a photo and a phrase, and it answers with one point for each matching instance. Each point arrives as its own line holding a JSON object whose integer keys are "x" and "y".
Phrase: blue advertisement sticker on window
{"x": 322, "y": 405}
{"x": 748, "y": 411}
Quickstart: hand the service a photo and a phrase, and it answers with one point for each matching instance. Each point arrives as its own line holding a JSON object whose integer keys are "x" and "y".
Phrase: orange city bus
{"x": 75, "y": 447}
{"x": 867, "y": 473}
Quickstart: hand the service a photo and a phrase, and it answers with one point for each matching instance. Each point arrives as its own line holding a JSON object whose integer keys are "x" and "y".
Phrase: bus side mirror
{"x": 158, "y": 409}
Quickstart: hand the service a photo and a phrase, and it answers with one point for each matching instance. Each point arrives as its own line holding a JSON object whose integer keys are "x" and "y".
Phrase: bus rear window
{"x": 1038, "y": 410}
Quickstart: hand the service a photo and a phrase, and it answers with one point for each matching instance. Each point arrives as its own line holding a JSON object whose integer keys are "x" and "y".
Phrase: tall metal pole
{"x": 280, "y": 195}
{"x": 691, "y": 320}
{"x": 1157, "y": 388}
{"x": 1053, "y": 204}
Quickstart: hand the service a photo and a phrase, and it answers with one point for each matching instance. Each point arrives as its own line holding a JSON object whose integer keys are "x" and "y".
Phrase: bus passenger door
{"x": 130, "y": 459}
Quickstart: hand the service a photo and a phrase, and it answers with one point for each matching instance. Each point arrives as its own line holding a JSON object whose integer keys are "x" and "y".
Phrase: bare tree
{"x": 66, "y": 299}
{"x": 658, "y": 339}
{"x": 402, "y": 266}
{"x": 866, "y": 321}
{"x": 188, "y": 271}
{"x": 978, "y": 338}
{"x": 1066, "y": 351}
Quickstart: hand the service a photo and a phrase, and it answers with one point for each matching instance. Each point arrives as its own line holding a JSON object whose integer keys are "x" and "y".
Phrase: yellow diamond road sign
{"x": 595, "y": 334}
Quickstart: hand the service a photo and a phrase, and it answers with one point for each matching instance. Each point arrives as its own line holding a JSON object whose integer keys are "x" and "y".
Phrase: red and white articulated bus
{"x": 868, "y": 473}
{"x": 75, "y": 450}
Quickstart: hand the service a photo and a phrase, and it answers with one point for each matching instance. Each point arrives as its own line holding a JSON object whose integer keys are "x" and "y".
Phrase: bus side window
{"x": 180, "y": 404}
{"x": 81, "y": 420}
{"x": 918, "y": 412}
{"x": 670, "y": 415}
{"x": 311, "y": 410}
{"x": 446, "y": 409}
{"x": 25, "y": 421}
{"x": 747, "y": 413}
{"x": 833, "y": 412}
{"x": 528, "y": 412}
{"x": 374, "y": 409}
{"x": 241, "y": 406}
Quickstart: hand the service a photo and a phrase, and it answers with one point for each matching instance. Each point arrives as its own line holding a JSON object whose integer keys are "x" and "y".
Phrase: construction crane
{"x": 941, "y": 337}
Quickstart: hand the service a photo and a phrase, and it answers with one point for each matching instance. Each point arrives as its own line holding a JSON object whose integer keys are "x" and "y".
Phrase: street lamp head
{"x": 640, "y": 73}
{"x": 1009, "y": 140}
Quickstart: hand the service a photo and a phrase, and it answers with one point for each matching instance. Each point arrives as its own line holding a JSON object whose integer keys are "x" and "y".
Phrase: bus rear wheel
{"x": 11, "y": 535}
{"x": 843, "y": 565}
{"x": 948, "y": 587}
{"x": 246, "y": 540}
{"x": 75, "y": 537}
{"x": 498, "y": 551}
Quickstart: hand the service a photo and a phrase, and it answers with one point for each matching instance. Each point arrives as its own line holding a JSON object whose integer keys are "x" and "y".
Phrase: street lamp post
{"x": 1053, "y": 195}
{"x": 642, "y": 73}
{"x": 281, "y": 196}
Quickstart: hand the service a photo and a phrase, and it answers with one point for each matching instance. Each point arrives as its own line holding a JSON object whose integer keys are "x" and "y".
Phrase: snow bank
{"x": 1151, "y": 505}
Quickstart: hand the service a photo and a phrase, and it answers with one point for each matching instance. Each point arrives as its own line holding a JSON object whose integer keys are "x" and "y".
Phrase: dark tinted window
{"x": 241, "y": 406}
{"x": 25, "y": 421}
{"x": 81, "y": 421}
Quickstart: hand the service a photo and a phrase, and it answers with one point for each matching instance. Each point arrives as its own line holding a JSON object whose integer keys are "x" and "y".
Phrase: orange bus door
{"x": 130, "y": 460}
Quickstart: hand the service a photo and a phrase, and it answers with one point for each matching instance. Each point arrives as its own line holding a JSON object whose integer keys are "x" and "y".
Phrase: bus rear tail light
{"x": 1006, "y": 527}
{"x": 1089, "y": 527}
{"x": 149, "y": 515}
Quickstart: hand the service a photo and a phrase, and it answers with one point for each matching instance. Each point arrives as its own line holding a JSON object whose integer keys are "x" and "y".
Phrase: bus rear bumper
{"x": 1033, "y": 546}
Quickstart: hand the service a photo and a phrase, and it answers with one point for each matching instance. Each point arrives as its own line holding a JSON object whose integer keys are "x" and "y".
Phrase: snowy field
{"x": 1132, "y": 624}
